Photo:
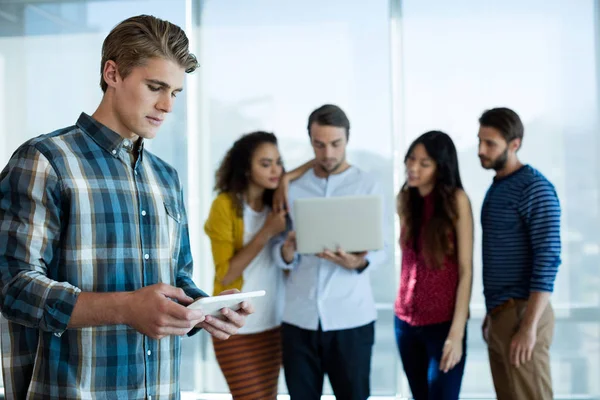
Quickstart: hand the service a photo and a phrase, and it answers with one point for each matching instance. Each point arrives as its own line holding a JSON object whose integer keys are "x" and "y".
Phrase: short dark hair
{"x": 329, "y": 115}
{"x": 505, "y": 120}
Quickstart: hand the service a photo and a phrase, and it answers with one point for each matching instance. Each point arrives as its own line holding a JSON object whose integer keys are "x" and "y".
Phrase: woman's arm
{"x": 453, "y": 347}
{"x": 274, "y": 224}
{"x": 280, "y": 198}
{"x": 299, "y": 171}
{"x": 464, "y": 236}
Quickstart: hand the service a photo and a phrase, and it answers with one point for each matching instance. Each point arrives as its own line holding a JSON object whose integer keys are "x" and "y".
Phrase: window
{"x": 537, "y": 57}
{"x": 268, "y": 71}
{"x": 398, "y": 68}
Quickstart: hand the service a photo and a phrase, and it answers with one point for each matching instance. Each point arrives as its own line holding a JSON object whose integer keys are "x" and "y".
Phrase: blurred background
{"x": 398, "y": 68}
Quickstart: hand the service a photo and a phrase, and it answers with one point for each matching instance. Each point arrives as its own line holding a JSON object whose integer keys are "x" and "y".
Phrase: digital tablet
{"x": 213, "y": 305}
{"x": 352, "y": 223}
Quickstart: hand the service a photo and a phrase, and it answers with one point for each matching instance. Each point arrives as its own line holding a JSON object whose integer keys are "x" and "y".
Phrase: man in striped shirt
{"x": 520, "y": 221}
{"x": 95, "y": 261}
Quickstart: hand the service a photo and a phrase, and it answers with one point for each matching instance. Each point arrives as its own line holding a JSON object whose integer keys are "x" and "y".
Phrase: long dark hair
{"x": 436, "y": 235}
{"x": 233, "y": 175}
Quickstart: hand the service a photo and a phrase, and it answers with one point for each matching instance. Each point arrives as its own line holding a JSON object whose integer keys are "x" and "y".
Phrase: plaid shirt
{"x": 76, "y": 214}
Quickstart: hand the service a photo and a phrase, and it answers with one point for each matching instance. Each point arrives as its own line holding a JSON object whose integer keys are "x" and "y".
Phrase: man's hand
{"x": 288, "y": 249}
{"x": 152, "y": 311}
{"x": 485, "y": 328}
{"x": 234, "y": 320}
{"x": 522, "y": 344}
{"x": 346, "y": 260}
{"x": 280, "y": 197}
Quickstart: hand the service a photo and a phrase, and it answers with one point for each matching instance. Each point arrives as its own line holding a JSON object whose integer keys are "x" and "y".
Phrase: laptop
{"x": 352, "y": 223}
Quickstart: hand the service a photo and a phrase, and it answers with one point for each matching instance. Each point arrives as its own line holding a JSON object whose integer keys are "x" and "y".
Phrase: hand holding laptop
{"x": 354, "y": 260}
{"x": 346, "y": 260}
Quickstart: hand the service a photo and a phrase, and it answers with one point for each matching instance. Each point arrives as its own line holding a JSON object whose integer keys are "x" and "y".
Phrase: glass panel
{"x": 268, "y": 70}
{"x": 50, "y": 71}
{"x": 56, "y": 60}
{"x": 537, "y": 57}
{"x": 269, "y": 64}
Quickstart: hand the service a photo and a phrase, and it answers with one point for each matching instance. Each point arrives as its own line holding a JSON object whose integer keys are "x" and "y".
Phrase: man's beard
{"x": 499, "y": 163}
{"x": 334, "y": 168}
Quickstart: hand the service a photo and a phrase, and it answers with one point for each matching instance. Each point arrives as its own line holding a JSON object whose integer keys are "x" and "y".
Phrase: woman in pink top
{"x": 436, "y": 240}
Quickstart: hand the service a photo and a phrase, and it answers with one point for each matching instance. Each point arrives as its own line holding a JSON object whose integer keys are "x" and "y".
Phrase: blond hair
{"x": 137, "y": 39}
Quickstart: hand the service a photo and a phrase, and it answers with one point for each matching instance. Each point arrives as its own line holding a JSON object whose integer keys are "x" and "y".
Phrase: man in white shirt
{"x": 328, "y": 320}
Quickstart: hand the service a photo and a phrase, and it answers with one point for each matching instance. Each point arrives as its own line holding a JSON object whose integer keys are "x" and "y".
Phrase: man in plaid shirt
{"x": 95, "y": 262}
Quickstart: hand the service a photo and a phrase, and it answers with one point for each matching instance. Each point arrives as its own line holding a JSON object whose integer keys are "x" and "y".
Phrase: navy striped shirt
{"x": 520, "y": 219}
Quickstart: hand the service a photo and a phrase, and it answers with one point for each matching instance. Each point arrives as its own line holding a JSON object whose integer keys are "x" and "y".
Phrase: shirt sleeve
{"x": 278, "y": 258}
{"x": 185, "y": 264}
{"x": 540, "y": 210}
{"x": 30, "y": 230}
{"x": 219, "y": 229}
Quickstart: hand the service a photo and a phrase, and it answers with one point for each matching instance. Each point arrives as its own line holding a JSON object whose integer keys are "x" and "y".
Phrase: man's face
{"x": 329, "y": 144}
{"x": 493, "y": 149}
{"x": 144, "y": 98}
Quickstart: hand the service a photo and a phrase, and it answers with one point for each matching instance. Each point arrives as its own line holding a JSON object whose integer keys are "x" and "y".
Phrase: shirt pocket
{"x": 174, "y": 229}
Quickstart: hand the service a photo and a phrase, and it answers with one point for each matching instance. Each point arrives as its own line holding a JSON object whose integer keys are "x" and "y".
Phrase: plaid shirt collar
{"x": 106, "y": 138}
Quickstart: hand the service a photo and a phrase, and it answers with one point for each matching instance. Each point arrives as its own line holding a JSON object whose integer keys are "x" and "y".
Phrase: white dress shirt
{"x": 317, "y": 289}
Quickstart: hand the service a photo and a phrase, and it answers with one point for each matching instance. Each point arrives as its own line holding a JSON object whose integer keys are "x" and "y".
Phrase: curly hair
{"x": 233, "y": 175}
{"x": 437, "y": 234}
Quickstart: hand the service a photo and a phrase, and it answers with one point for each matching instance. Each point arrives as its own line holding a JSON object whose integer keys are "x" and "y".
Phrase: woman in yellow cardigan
{"x": 240, "y": 226}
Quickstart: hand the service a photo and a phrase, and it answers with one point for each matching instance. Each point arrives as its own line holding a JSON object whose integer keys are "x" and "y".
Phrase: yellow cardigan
{"x": 225, "y": 228}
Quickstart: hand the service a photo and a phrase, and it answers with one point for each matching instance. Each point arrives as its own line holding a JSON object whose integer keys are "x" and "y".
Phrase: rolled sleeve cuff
{"x": 280, "y": 262}
{"x": 59, "y": 307}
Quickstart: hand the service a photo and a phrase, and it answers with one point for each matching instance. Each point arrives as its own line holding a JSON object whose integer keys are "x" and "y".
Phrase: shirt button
{"x": 144, "y": 213}
{"x": 114, "y": 152}
{"x": 146, "y": 256}
{"x": 149, "y": 352}
{"x": 178, "y": 216}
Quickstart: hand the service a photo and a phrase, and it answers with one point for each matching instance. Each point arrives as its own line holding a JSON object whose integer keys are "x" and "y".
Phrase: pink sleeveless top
{"x": 426, "y": 296}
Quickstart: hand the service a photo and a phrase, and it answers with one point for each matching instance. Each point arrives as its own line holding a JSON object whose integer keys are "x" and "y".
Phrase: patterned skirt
{"x": 251, "y": 364}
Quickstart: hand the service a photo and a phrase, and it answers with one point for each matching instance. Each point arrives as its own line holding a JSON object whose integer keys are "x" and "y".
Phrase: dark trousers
{"x": 421, "y": 352}
{"x": 344, "y": 355}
